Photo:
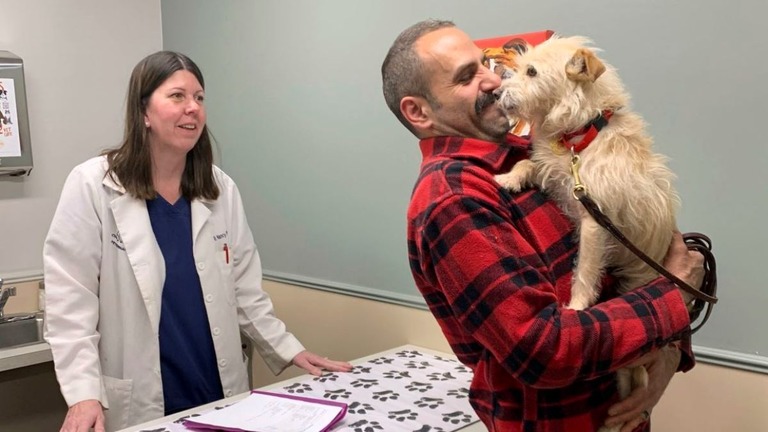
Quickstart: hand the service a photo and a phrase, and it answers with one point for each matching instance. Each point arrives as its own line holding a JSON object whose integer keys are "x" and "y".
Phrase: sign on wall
{"x": 10, "y": 145}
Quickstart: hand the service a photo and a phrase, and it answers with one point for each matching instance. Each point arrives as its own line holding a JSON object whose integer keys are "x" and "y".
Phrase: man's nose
{"x": 490, "y": 81}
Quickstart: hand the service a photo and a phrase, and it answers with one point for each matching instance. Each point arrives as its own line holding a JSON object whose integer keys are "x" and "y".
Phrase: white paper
{"x": 10, "y": 145}
{"x": 266, "y": 413}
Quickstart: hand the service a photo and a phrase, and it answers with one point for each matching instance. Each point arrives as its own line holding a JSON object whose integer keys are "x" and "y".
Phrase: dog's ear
{"x": 518, "y": 45}
{"x": 584, "y": 66}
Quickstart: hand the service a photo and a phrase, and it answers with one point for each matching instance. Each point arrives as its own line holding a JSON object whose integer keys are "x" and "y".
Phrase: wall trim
{"x": 414, "y": 301}
{"x": 720, "y": 357}
{"x": 21, "y": 276}
{"x": 731, "y": 359}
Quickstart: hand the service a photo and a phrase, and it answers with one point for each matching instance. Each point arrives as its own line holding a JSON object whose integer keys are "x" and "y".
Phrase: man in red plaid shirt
{"x": 495, "y": 267}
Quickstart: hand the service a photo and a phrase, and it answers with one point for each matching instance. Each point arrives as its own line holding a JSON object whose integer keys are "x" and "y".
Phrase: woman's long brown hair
{"x": 131, "y": 164}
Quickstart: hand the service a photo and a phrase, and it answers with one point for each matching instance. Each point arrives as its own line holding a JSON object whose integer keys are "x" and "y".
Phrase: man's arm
{"x": 501, "y": 292}
{"x": 662, "y": 364}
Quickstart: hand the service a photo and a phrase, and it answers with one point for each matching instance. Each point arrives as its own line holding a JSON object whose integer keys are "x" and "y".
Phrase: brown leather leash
{"x": 703, "y": 298}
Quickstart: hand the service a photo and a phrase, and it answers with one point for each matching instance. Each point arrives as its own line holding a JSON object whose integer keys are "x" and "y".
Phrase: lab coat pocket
{"x": 119, "y": 392}
{"x": 228, "y": 282}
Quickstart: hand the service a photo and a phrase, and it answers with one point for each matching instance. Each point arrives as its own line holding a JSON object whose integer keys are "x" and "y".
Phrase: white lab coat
{"x": 104, "y": 275}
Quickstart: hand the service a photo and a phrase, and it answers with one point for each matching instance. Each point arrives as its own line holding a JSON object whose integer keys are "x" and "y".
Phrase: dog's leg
{"x": 585, "y": 288}
{"x": 610, "y": 429}
{"x": 639, "y": 377}
{"x": 522, "y": 174}
{"x": 628, "y": 379}
{"x": 624, "y": 382}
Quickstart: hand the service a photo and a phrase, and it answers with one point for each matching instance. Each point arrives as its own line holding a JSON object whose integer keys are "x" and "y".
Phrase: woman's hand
{"x": 314, "y": 364}
{"x": 83, "y": 416}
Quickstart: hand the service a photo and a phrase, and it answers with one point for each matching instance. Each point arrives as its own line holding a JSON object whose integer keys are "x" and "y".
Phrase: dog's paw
{"x": 577, "y": 305}
{"x": 519, "y": 178}
{"x": 510, "y": 181}
{"x": 580, "y": 300}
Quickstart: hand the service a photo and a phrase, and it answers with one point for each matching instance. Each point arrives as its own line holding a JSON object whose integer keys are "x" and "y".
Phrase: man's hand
{"x": 314, "y": 364}
{"x": 661, "y": 365}
{"x": 83, "y": 416}
{"x": 686, "y": 264}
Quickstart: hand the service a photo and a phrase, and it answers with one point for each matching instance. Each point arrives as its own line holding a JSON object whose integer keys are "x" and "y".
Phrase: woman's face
{"x": 175, "y": 114}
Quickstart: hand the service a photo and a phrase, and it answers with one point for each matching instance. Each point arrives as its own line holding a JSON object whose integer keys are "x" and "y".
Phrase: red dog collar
{"x": 579, "y": 140}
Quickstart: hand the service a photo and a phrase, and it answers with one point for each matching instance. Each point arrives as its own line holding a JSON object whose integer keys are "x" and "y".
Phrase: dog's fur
{"x": 559, "y": 86}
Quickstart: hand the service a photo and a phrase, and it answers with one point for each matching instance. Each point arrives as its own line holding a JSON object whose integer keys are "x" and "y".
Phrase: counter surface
{"x": 25, "y": 355}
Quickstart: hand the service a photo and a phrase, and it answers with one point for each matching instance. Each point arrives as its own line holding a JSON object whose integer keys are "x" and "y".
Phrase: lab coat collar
{"x": 110, "y": 181}
{"x": 144, "y": 254}
{"x": 113, "y": 183}
{"x": 147, "y": 263}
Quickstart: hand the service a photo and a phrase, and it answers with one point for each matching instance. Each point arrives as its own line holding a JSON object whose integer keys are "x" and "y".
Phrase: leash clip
{"x": 579, "y": 189}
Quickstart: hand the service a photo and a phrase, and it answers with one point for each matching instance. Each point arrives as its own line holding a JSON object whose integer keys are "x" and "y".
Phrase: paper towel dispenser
{"x": 15, "y": 145}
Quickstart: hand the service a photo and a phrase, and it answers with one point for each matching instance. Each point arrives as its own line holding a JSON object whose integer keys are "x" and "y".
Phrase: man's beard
{"x": 483, "y": 101}
{"x": 498, "y": 132}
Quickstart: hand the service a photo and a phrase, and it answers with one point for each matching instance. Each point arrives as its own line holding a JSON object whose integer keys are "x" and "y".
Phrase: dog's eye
{"x": 531, "y": 71}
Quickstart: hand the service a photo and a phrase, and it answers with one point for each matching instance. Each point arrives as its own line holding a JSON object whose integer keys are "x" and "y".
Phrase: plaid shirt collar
{"x": 497, "y": 157}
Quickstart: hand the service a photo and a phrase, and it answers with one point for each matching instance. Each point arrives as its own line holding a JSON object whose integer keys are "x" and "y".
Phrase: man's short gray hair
{"x": 402, "y": 73}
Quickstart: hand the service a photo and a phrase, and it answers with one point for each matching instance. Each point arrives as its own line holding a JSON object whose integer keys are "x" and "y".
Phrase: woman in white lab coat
{"x": 151, "y": 271}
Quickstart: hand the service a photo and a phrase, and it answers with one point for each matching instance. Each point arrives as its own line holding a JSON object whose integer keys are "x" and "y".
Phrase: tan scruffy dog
{"x": 578, "y": 107}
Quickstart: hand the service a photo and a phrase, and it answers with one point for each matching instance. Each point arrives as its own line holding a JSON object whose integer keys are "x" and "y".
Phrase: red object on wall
{"x": 533, "y": 38}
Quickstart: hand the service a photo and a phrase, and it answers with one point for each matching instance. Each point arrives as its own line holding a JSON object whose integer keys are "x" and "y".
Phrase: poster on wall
{"x": 10, "y": 145}
{"x": 499, "y": 54}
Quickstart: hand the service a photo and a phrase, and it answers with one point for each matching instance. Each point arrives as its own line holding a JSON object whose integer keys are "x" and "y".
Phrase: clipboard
{"x": 265, "y": 411}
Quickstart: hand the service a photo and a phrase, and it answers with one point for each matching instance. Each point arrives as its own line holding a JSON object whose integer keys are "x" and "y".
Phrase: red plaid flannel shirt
{"x": 495, "y": 268}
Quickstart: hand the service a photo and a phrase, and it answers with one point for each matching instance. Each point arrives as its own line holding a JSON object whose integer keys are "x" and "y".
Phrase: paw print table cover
{"x": 410, "y": 390}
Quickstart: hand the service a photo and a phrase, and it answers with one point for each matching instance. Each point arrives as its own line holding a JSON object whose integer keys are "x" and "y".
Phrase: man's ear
{"x": 584, "y": 66}
{"x": 417, "y": 111}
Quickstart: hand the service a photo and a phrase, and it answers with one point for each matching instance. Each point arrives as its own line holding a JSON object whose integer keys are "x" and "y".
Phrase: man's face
{"x": 461, "y": 87}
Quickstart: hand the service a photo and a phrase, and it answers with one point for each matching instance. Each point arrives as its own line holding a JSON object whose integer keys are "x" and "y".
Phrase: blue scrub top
{"x": 187, "y": 357}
